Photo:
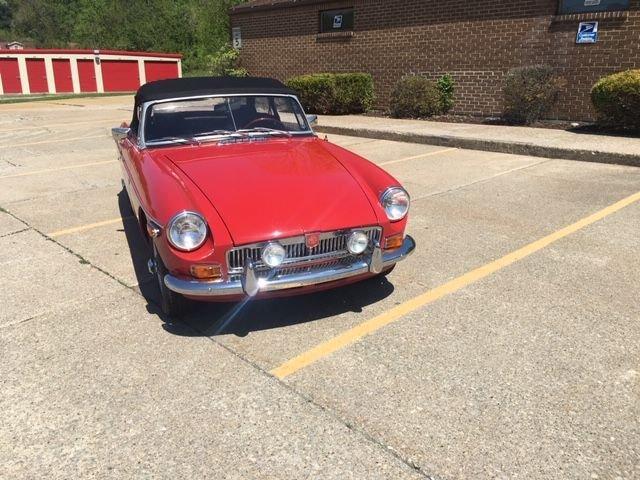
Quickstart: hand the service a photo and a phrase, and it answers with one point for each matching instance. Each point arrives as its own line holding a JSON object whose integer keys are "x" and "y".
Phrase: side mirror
{"x": 120, "y": 133}
{"x": 312, "y": 120}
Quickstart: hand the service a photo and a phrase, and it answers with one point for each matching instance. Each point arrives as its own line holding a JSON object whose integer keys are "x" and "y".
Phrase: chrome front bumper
{"x": 250, "y": 284}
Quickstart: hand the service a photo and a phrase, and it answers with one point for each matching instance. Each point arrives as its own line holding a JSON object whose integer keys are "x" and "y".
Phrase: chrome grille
{"x": 332, "y": 245}
{"x": 307, "y": 269}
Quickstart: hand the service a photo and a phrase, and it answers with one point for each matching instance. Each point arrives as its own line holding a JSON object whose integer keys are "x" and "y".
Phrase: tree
{"x": 47, "y": 22}
{"x": 5, "y": 15}
{"x": 195, "y": 28}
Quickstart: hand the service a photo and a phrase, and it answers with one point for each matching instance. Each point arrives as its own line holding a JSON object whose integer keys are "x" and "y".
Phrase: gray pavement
{"x": 539, "y": 142}
{"x": 531, "y": 372}
{"x": 101, "y": 391}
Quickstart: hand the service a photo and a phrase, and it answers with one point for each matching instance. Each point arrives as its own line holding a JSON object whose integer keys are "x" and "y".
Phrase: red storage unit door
{"x": 120, "y": 75}
{"x": 160, "y": 70}
{"x": 37, "y": 75}
{"x": 62, "y": 75}
{"x": 10, "y": 75}
{"x": 87, "y": 76}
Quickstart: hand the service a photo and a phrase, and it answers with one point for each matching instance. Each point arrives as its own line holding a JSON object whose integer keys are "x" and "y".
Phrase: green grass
{"x": 39, "y": 98}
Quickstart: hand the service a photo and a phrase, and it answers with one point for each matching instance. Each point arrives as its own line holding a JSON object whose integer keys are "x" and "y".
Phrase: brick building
{"x": 476, "y": 41}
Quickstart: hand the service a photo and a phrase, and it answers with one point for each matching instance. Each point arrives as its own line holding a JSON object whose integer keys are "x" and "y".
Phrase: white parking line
{"x": 14, "y": 145}
{"x": 359, "y": 143}
{"x": 416, "y": 157}
{"x": 48, "y": 170}
{"x": 55, "y": 125}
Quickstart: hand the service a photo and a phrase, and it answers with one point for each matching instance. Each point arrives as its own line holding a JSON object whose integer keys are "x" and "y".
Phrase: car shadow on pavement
{"x": 212, "y": 319}
{"x": 140, "y": 253}
{"x": 242, "y": 318}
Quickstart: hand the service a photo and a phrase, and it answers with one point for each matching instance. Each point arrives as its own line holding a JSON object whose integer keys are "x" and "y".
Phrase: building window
{"x": 336, "y": 20}
{"x": 588, "y": 6}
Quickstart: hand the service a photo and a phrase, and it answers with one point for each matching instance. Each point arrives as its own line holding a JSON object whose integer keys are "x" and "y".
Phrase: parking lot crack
{"x": 15, "y": 233}
{"x": 80, "y": 258}
{"x": 311, "y": 401}
{"x": 64, "y": 104}
{"x": 20, "y": 322}
{"x": 484, "y": 180}
{"x": 388, "y": 449}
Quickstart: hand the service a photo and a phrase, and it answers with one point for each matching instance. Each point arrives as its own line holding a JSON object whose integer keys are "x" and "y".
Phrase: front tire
{"x": 173, "y": 304}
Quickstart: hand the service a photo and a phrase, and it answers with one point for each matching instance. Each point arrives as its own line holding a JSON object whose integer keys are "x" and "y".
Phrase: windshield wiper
{"x": 268, "y": 131}
{"x": 197, "y": 138}
{"x": 214, "y": 132}
{"x": 170, "y": 139}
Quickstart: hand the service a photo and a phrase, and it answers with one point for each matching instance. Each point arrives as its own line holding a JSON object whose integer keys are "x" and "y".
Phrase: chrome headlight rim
{"x": 270, "y": 245}
{"x": 178, "y": 216}
{"x": 388, "y": 193}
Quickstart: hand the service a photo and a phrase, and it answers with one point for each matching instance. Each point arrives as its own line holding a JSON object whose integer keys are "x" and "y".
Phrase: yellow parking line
{"x": 14, "y": 145}
{"x": 48, "y": 170}
{"x": 350, "y": 336}
{"x": 415, "y": 157}
{"x": 89, "y": 226}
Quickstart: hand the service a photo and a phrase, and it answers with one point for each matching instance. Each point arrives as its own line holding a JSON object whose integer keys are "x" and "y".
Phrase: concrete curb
{"x": 517, "y": 148}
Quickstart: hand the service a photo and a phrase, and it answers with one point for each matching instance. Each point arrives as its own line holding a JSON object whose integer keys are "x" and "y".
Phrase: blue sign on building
{"x": 587, "y": 32}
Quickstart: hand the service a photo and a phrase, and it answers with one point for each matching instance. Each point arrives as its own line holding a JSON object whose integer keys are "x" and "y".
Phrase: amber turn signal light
{"x": 206, "y": 272}
{"x": 393, "y": 242}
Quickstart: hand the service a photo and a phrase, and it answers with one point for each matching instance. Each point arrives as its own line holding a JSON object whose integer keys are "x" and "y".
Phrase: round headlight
{"x": 273, "y": 255}
{"x": 187, "y": 231}
{"x": 395, "y": 202}
{"x": 357, "y": 243}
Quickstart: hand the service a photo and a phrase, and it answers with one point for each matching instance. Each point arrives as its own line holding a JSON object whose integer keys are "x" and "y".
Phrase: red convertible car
{"x": 238, "y": 197}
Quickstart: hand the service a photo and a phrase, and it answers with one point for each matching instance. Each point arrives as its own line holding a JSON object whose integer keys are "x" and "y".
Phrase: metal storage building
{"x": 32, "y": 71}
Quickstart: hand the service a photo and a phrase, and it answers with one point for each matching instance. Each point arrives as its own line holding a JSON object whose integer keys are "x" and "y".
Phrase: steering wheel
{"x": 266, "y": 121}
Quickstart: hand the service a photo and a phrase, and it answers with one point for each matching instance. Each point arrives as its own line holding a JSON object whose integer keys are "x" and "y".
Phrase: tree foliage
{"x": 5, "y": 16}
{"x": 415, "y": 96}
{"x": 616, "y": 99}
{"x": 334, "y": 93}
{"x": 196, "y": 28}
{"x": 530, "y": 93}
{"x": 224, "y": 62}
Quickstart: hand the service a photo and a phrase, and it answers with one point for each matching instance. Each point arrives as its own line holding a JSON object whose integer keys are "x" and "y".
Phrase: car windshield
{"x": 195, "y": 119}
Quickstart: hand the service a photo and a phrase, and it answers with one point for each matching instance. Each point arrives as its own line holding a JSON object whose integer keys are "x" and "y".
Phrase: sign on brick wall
{"x": 587, "y": 32}
{"x": 236, "y": 35}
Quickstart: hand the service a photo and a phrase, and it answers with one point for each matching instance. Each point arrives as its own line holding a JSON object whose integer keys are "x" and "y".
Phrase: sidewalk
{"x": 538, "y": 142}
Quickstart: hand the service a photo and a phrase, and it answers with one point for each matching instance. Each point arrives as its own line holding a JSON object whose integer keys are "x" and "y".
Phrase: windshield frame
{"x": 147, "y": 105}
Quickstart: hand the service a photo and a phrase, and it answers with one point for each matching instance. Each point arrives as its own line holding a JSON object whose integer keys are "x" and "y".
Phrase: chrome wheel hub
{"x": 152, "y": 266}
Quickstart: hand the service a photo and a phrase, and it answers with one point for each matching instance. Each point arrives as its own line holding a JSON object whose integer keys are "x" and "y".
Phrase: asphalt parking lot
{"x": 507, "y": 346}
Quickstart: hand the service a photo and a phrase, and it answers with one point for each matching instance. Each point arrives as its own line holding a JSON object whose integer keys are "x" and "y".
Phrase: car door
{"x": 130, "y": 159}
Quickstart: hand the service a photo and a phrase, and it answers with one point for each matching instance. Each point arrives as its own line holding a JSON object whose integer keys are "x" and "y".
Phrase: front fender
{"x": 374, "y": 181}
{"x": 165, "y": 191}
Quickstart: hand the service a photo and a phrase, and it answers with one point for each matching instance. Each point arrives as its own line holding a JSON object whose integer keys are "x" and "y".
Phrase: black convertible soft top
{"x": 196, "y": 86}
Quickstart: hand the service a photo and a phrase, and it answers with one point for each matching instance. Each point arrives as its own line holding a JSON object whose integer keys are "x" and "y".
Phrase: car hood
{"x": 276, "y": 188}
